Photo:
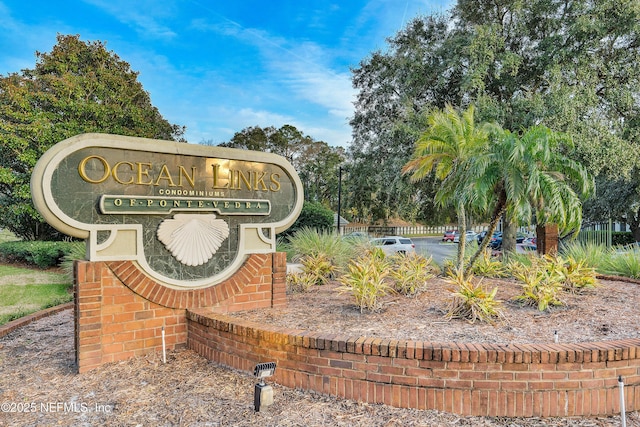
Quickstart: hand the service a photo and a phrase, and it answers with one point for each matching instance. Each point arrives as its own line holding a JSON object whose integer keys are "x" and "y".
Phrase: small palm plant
{"x": 472, "y": 301}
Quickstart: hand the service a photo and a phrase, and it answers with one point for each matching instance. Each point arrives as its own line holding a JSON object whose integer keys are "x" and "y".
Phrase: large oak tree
{"x": 570, "y": 65}
{"x": 76, "y": 88}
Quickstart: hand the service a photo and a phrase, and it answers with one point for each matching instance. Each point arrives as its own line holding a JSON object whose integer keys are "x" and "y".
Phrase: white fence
{"x": 415, "y": 230}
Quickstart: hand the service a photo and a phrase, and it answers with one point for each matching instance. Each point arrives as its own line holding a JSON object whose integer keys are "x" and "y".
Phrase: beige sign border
{"x": 125, "y": 240}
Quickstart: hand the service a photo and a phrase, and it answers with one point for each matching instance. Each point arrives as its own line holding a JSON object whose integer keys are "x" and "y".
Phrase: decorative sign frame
{"x": 187, "y": 214}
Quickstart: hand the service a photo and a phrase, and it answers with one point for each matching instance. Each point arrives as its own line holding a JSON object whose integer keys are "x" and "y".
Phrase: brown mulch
{"x": 608, "y": 312}
{"x": 37, "y": 368}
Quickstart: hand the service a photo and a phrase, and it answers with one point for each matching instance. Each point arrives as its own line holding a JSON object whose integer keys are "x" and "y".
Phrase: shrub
{"x": 622, "y": 263}
{"x": 541, "y": 284}
{"x": 576, "y": 276}
{"x": 38, "y": 253}
{"x": 472, "y": 301}
{"x": 488, "y": 266}
{"x": 308, "y": 241}
{"x": 313, "y": 215}
{"x": 300, "y": 282}
{"x": 365, "y": 280}
{"x": 410, "y": 273}
{"x": 621, "y": 238}
{"x": 318, "y": 267}
{"x": 591, "y": 254}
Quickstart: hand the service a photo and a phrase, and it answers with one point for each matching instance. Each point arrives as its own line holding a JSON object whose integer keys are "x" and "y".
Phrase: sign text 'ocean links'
{"x": 188, "y": 215}
{"x": 121, "y": 204}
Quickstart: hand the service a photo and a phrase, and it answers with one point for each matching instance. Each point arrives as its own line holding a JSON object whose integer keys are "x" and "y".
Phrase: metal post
{"x": 339, "y": 196}
{"x": 623, "y": 415}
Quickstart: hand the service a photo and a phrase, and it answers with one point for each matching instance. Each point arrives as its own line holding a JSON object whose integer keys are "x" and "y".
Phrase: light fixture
{"x": 263, "y": 393}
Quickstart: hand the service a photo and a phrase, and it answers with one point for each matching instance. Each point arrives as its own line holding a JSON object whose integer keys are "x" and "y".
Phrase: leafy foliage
{"x": 365, "y": 279}
{"x": 541, "y": 287}
{"x": 472, "y": 301}
{"x": 300, "y": 282}
{"x": 410, "y": 273}
{"x": 570, "y": 66}
{"x": 311, "y": 242}
{"x": 314, "y": 215}
{"x": 40, "y": 254}
{"x": 622, "y": 263}
{"x": 488, "y": 266}
{"x": 78, "y": 87}
{"x": 319, "y": 268}
{"x": 577, "y": 276}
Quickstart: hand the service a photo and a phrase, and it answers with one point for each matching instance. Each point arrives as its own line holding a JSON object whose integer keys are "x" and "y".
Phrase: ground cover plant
{"x": 472, "y": 301}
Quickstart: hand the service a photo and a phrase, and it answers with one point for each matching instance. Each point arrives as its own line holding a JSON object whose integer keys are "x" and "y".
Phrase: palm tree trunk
{"x": 500, "y": 208}
{"x": 508, "y": 235}
{"x": 462, "y": 229}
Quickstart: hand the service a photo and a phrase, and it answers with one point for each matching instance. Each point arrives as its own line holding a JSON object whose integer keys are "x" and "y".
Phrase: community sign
{"x": 187, "y": 214}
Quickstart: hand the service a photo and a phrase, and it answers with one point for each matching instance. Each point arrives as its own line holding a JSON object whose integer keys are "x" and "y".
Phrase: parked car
{"x": 496, "y": 240}
{"x": 448, "y": 236}
{"x": 394, "y": 244}
{"x": 480, "y": 236}
{"x": 470, "y": 235}
{"x": 528, "y": 244}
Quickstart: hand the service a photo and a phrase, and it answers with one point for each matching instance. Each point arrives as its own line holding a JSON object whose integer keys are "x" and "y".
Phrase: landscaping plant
{"x": 318, "y": 267}
{"x": 622, "y": 263}
{"x": 366, "y": 279}
{"x": 488, "y": 266}
{"x": 300, "y": 282}
{"x": 472, "y": 301}
{"x": 410, "y": 273}
{"x": 541, "y": 283}
{"x": 308, "y": 241}
{"x": 577, "y": 276}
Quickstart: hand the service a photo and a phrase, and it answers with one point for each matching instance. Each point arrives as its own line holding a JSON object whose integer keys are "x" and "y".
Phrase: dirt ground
{"x": 39, "y": 386}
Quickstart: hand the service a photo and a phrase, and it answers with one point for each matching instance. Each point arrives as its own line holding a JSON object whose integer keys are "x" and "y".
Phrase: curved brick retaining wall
{"x": 467, "y": 379}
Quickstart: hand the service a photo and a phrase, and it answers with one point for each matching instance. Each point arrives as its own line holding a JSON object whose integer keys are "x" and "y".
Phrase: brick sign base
{"x": 533, "y": 380}
{"x": 120, "y": 312}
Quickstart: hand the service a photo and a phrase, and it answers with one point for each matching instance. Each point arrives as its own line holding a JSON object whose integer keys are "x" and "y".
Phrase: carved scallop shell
{"x": 193, "y": 239}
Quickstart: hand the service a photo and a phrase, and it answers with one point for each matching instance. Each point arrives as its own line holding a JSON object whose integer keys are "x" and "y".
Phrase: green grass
{"x": 7, "y": 236}
{"x": 24, "y": 291}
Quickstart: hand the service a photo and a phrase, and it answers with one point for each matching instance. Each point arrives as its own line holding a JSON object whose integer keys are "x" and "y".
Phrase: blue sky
{"x": 221, "y": 66}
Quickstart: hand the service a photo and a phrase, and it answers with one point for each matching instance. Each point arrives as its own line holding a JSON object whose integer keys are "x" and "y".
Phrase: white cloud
{"x": 145, "y": 17}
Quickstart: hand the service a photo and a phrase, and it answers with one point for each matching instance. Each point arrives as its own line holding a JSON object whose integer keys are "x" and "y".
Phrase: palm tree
{"x": 530, "y": 176}
{"x": 447, "y": 148}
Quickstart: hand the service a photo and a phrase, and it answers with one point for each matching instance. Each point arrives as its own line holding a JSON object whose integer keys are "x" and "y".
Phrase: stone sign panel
{"x": 187, "y": 214}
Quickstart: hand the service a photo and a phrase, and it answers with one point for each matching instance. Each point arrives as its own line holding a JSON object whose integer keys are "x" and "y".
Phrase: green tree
{"x": 528, "y": 176}
{"x": 448, "y": 148}
{"x": 568, "y": 65}
{"x": 78, "y": 87}
{"x": 315, "y": 161}
{"x": 313, "y": 215}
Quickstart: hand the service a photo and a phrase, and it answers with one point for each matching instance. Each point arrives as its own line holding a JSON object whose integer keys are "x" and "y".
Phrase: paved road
{"x": 435, "y": 247}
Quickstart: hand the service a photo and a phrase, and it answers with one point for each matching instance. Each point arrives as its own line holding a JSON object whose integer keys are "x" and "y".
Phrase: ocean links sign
{"x": 187, "y": 214}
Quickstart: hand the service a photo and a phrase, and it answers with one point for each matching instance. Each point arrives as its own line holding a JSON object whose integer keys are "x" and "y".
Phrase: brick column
{"x": 120, "y": 312}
